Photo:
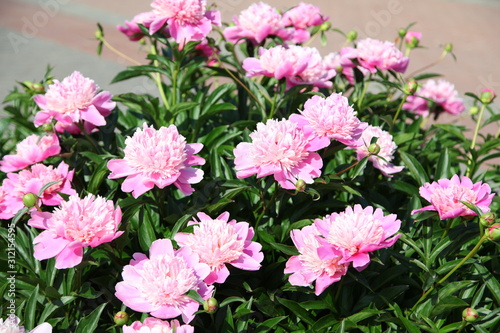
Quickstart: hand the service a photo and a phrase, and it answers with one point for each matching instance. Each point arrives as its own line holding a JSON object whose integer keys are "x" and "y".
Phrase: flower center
{"x": 182, "y": 11}
{"x": 448, "y": 199}
{"x": 258, "y": 15}
{"x": 72, "y": 94}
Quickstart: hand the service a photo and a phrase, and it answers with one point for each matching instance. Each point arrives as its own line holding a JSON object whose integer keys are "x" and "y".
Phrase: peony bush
{"x": 265, "y": 187}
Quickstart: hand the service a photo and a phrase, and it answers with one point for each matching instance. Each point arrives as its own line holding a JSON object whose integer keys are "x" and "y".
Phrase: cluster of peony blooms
{"x": 329, "y": 246}
{"x": 287, "y": 148}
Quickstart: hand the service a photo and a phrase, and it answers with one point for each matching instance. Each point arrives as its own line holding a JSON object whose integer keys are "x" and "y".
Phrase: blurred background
{"x": 60, "y": 33}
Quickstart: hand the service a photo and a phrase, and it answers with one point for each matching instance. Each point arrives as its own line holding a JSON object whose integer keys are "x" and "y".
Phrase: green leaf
{"x": 297, "y": 309}
{"x": 230, "y": 300}
{"x": 269, "y": 324}
{"x": 443, "y": 165}
{"x": 193, "y": 294}
{"x": 30, "y": 310}
{"x": 98, "y": 176}
{"x": 448, "y": 303}
{"x": 146, "y": 231}
{"x": 491, "y": 120}
{"x": 416, "y": 170}
{"x": 490, "y": 280}
{"x": 286, "y": 249}
{"x": 183, "y": 106}
{"x": 89, "y": 323}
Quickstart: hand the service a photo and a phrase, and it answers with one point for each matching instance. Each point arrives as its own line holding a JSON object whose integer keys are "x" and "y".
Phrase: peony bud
{"x": 352, "y": 35}
{"x": 374, "y": 149}
{"x": 410, "y": 87}
{"x": 210, "y": 305}
{"x": 473, "y": 110}
{"x": 448, "y": 47}
{"x": 470, "y": 314}
{"x": 487, "y": 219}
{"x": 300, "y": 185}
{"x": 493, "y": 232}
{"x": 98, "y": 34}
{"x": 402, "y": 32}
{"x": 121, "y": 318}
{"x": 48, "y": 127}
{"x": 30, "y": 200}
{"x": 325, "y": 26}
{"x": 487, "y": 96}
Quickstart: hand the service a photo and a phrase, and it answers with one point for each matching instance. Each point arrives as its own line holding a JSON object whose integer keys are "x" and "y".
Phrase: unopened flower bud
{"x": 487, "y": 96}
{"x": 410, "y": 87}
{"x": 339, "y": 69}
{"x": 473, "y": 110}
{"x": 374, "y": 149}
{"x": 48, "y": 127}
{"x": 210, "y": 305}
{"x": 98, "y": 34}
{"x": 402, "y": 32}
{"x": 121, "y": 318}
{"x": 413, "y": 42}
{"x": 30, "y": 200}
{"x": 325, "y": 26}
{"x": 448, "y": 47}
{"x": 352, "y": 35}
{"x": 229, "y": 47}
{"x": 300, "y": 185}
{"x": 470, "y": 314}
{"x": 38, "y": 88}
{"x": 493, "y": 232}
{"x": 487, "y": 219}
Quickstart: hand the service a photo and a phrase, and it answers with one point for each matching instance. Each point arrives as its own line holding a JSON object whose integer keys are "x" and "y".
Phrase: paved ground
{"x": 37, "y": 33}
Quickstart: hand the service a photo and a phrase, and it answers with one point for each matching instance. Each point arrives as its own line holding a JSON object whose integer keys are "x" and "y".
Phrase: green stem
{"x": 474, "y": 139}
{"x": 157, "y": 77}
{"x": 398, "y": 111}
{"x": 467, "y": 257}
{"x": 265, "y": 207}
{"x": 120, "y": 54}
{"x": 363, "y": 93}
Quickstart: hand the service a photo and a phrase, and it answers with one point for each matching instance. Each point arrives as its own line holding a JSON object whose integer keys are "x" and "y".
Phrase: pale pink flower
{"x": 316, "y": 262}
{"x": 387, "y": 146}
{"x": 359, "y": 231}
{"x": 300, "y": 18}
{"x": 131, "y": 28}
{"x": 75, "y": 100}
{"x": 31, "y": 181}
{"x": 157, "y": 157}
{"x": 329, "y": 118}
{"x": 435, "y": 97}
{"x": 316, "y": 73}
{"x": 6, "y": 213}
{"x": 445, "y": 196}
{"x": 256, "y": 23}
{"x": 187, "y": 20}
{"x": 31, "y": 150}
{"x": 278, "y": 148}
{"x": 76, "y": 224}
{"x": 219, "y": 242}
{"x": 159, "y": 284}
{"x": 155, "y": 325}
{"x": 374, "y": 54}
{"x": 342, "y": 63}
{"x": 413, "y": 38}
{"x": 11, "y": 325}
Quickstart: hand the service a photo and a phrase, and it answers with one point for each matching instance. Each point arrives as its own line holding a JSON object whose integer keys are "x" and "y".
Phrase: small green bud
{"x": 470, "y": 314}
{"x": 30, "y": 200}
{"x": 402, "y": 33}
{"x": 229, "y": 47}
{"x": 487, "y": 96}
{"x": 473, "y": 110}
{"x": 38, "y": 88}
{"x": 413, "y": 42}
{"x": 48, "y": 127}
{"x": 374, "y": 149}
{"x": 300, "y": 185}
{"x": 210, "y": 305}
{"x": 448, "y": 47}
{"x": 493, "y": 232}
{"x": 487, "y": 219}
{"x": 339, "y": 69}
{"x": 98, "y": 34}
{"x": 352, "y": 35}
{"x": 326, "y": 26}
{"x": 410, "y": 87}
{"x": 121, "y": 318}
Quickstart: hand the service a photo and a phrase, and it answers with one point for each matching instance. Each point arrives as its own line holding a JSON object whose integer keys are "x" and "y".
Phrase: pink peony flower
{"x": 281, "y": 149}
{"x": 31, "y": 150}
{"x": 75, "y": 100}
{"x": 359, "y": 231}
{"x": 316, "y": 73}
{"x": 413, "y": 38}
{"x": 342, "y": 63}
{"x": 315, "y": 262}
{"x": 155, "y": 325}
{"x": 31, "y": 181}
{"x": 187, "y": 20}
{"x": 205, "y": 50}
{"x": 300, "y": 18}
{"x": 374, "y": 54}
{"x": 329, "y": 118}
{"x": 442, "y": 96}
{"x": 256, "y": 23}
{"x": 387, "y": 146}
{"x": 76, "y": 224}
{"x": 157, "y": 157}
{"x": 159, "y": 284}
{"x": 132, "y": 30}
{"x": 11, "y": 325}
{"x": 219, "y": 242}
{"x": 6, "y": 213}
{"x": 445, "y": 196}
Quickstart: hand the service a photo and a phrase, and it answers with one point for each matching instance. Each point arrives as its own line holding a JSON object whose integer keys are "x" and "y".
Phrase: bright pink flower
{"x": 329, "y": 118}
{"x": 76, "y": 224}
{"x": 132, "y": 30}
{"x": 205, "y": 50}
{"x": 413, "y": 37}
{"x": 302, "y": 17}
{"x": 31, "y": 150}
{"x": 187, "y": 20}
{"x": 445, "y": 196}
{"x": 219, "y": 242}
{"x": 11, "y": 325}
{"x": 387, "y": 146}
{"x": 443, "y": 97}
{"x": 256, "y": 23}
{"x": 359, "y": 231}
{"x": 157, "y": 157}
{"x": 155, "y": 325}
{"x": 316, "y": 262}
{"x": 281, "y": 149}
{"x": 32, "y": 181}
{"x": 374, "y": 54}
{"x": 159, "y": 284}
{"x": 73, "y": 101}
